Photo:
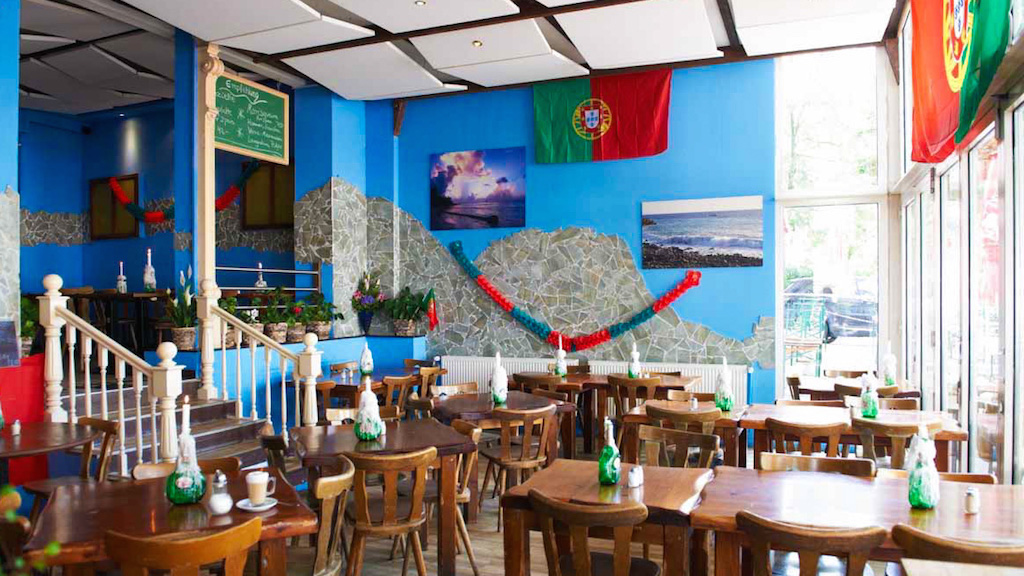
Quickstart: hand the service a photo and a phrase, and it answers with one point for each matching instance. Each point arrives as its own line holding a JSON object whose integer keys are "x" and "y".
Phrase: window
{"x": 108, "y": 219}
{"x": 929, "y": 298}
{"x": 906, "y": 94}
{"x": 912, "y": 302}
{"x": 951, "y": 321}
{"x": 268, "y": 199}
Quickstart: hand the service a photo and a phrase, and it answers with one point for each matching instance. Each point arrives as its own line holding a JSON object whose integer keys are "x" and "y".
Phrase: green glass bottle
{"x": 609, "y": 465}
{"x": 869, "y": 404}
{"x": 187, "y": 484}
{"x": 923, "y": 480}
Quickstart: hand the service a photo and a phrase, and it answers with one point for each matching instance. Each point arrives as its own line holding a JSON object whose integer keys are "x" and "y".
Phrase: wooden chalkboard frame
{"x": 285, "y": 159}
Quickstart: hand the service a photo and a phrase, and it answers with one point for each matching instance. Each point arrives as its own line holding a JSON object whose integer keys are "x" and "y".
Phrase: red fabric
{"x": 21, "y": 396}
{"x": 227, "y": 198}
{"x": 116, "y": 188}
{"x": 639, "y": 106}
{"x": 936, "y": 105}
{"x": 432, "y": 313}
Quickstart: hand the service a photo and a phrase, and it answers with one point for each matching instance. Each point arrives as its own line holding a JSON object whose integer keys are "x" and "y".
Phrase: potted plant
{"x": 321, "y": 314}
{"x": 252, "y": 318}
{"x": 367, "y": 299}
{"x": 296, "y": 320}
{"x": 29, "y": 323}
{"x": 229, "y": 305}
{"x": 405, "y": 310}
{"x": 275, "y": 317}
{"x": 181, "y": 310}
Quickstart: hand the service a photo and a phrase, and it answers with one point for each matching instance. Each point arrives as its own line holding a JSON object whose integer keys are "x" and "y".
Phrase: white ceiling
{"x": 779, "y": 26}
{"x": 222, "y": 19}
{"x": 323, "y": 30}
{"x": 67, "y": 21}
{"x": 404, "y": 15}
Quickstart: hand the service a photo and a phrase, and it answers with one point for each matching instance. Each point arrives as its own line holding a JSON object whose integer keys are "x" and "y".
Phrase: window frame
{"x": 93, "y": 236}
{"x": 272, "y": 198}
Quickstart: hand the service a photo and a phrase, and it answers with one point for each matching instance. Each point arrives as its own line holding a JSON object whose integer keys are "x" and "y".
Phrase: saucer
{"x": 269, "y": 503}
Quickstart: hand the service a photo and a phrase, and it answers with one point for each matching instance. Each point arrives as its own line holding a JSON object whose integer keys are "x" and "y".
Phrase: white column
{"x": 53, "y": 371}
{"x": 209, "y": 326}
{"x": 167, "y": 387}
{"x": 309, "y": 370}
{"x": 205, "y": 234}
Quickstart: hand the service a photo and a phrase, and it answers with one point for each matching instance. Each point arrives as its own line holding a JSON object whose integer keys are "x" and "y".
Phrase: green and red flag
{"x": 957, "y": 47}
{"x": 431, "y": 303}
{"x": 606, "y": 118}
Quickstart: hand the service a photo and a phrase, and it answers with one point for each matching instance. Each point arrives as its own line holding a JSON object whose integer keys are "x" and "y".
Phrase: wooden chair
{"x": 809, "y": 542}
{"x": 544, "y": 393}
{"x": 397, "y": 390}
{"x": 276, "y": 450}
{"x": 381, "y": 513}
{"x": 703, "y": 419}
{"x": 628, "y": 393}
{"x": 657, "y": 442}
{"x": 684, "y": 396}
{"x": 528, "y": 382}
{"x": 342, "y": 416}
{"x": 341, "y": 366}
{"x": 324, "y": 389}
{"x": 454, "y": 389}
{"x": 898, "y": 404}
{"x": 898, "y": 435}
{"x": 331, "y": 492}
{"x": 807, "y": 435}
{"x": 793, "y": 382}
{"x": 920, "y": 544}
{"x": 580, "y": 368}
{"x": 561, "y": 396}
{"x": 42, "y": 489}
{"x": 773, "y": 462}
{"x": 964, "y": 477}
{"x": 184, "y": 556}
{"x": 411, "y": 363}
{"x": 845, "y": 373}
{"x": 428, "y": 378}
{"x": 827, "y": 403}
{"x": 148, "y": 471}
{"x": 854, "y": 390}
{"x": 622, "y": 519}
{"x": 521, "y": 457}
{"x": 417, "y": 408}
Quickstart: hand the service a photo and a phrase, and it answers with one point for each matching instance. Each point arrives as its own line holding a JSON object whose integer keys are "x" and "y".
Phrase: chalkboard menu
{"x": 252, "y": 119}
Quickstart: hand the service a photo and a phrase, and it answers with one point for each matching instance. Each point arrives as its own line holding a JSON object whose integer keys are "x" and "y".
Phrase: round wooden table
{"x": 38, "y": 438}
{"x": 478, "y": 407}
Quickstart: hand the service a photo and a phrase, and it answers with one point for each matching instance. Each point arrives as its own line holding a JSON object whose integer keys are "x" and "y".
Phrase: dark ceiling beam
{"x": 730, "y": 23}
{"x": 731, "y": 55}
{"x": 525, "y": 14}
{"x": 892, "y": 30}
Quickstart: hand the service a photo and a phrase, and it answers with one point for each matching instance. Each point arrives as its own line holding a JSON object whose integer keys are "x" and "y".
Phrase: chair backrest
{"x": 331, "y": 491}
{"x": 341, "y": 416}
{"x": 657, "y": 440}
{"x": 888, "y": 391}
{"x": 529, "y": 382}
{"x": 147, "y": 471}
{"x": 629, "y": 393}
{"x": 703, "y": 419}
{"x": 106, "y": 448}
{"x": 563, "y": 396}
{"x": 580, "y": 518}
{"x": 276, "y": 449}
{"x": 411, "y": 363}
{"x": 920, "y": 544}
{"x": 537, "y": 423}
{"x": 793, "y": 382}
{"x": 580, "y": 368}
{"x": 684, "y": 396}
{"x": 467, "y": 462}
{"x": 428, "y": 377}
{"x": 848, "y": 389}
{"x": 397, "y": 389}
{"x": 898, "y": 435}
{"x": 417, "y": 408}
{"x": 341, "y": 366}
{"x": 806, "y": 434}
{"x": 845, "y": 373}
{"x": 827, "y": 403}
{"x": 455, "y": 389}
{"x": 184, "y": 556}
{"x": 964, "y": 477}
{"x": 773, "y": 462}
{"x": 389, "y": 468}
{"x": 324, "y": 389}
{"x": 809, "y": 542}
{"x": 898, "y": 404}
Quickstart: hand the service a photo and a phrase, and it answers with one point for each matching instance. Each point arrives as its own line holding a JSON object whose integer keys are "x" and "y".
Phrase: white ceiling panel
{"x": 486, "y": 44}
{"x": 227, "y": 18}
{"x": 444, "y": 89}
{"x": 325, "y": 30}
{"x": 561, "y": 2}
{"x": 529, "y": 69}
{"x": 843, "y": 30}
{"x": 56, "y": 19}
{"x": 366, "y": 72}
{"x": 717, "y": 23}
{"x": 142, "y": 83}
{"x": 32, "y": 43}
{"x": 148, "y": 50}
{"x": 405, "y": 15}
{"x": 748, "y": 13}
{"x": 642, "y": 33}
{"x": 89, "y": 64}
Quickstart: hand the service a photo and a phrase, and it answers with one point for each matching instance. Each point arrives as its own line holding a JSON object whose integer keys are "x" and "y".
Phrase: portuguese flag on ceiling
{"x": 606, "y": 118}
{"x": 957, "y": 48}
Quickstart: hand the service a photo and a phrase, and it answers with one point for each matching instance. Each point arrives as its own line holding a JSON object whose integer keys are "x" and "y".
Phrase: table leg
{"x": 760, "y": 445}
{"x": 699, "y": 549}
{"x": 273, "y": 558}
{"x": 630, "y": 443}
{"x": 474, "y": 492}
{"x": 517, "y": 542}
{"x": 587, "y": 401}
{"x": 730, "y": 451}
{"x": 741, "y": 447}
{"x": 569, "y": 435}
{"x": 676, "y": 550}
{"x": 942, "y": 455}
{"x": 727, "y": 554}
{"x": 602, "y": 413}
{"x": 446, "y": 533}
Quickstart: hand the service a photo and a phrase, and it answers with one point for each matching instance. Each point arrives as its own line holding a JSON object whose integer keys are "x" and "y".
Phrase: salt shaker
{"x": 693, "y": 403}
{"x": 220, "y": 499}
{"x": 16, "y": 428}
{"x": 635, "y": 477}
{"x": 972, "y": 501}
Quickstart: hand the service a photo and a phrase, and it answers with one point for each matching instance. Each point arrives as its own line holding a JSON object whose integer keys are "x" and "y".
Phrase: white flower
{"x": 181, "y": 279}
{"x": 188, "y": 297}
{"x": 190, "y": 271}
{"x": 174, "y": 301}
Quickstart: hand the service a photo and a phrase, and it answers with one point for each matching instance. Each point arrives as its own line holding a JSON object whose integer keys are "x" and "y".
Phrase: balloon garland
{"x": 158, "y": 216}
{"x": 573, "y": 343}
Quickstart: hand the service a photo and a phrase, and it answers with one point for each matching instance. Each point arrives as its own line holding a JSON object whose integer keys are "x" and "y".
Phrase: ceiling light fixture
{"x": 420, "y": 2}
{"x": 121, "y": 115}
{"x": 477, "y": 44}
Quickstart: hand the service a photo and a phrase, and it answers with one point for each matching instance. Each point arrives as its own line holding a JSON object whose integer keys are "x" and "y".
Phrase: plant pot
{"x": 26, "y": 346}
{"x": 404, "y": 327}
{"x": 365, "y": 318}
{"x": 277, "y": 331}
{"x": 321, "y": 329}
{"x": 184, "y": 338}
{"x": 296, "y": 333}
{"x": 230, "y": 338}
{"x": 248, "y": 340}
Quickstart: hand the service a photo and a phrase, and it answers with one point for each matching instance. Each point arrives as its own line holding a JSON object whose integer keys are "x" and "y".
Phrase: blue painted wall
{"x": 721, "y": 143}
{"x": 9, "y": 54}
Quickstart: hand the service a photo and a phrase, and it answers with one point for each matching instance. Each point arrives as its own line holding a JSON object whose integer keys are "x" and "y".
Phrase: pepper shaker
{"x": 16, "y": 428}
{"x": 972, "y": 501}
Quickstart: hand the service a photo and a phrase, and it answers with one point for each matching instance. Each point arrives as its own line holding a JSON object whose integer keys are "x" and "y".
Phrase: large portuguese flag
{"x": 606, "y": 118}
{"x": 957, "y": 47}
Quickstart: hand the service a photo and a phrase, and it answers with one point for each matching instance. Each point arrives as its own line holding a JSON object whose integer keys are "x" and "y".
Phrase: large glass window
{"x": 912, "y": 302}
{"x": 988, "y": 336}
{"x": 951, "y": 356}
{"x": 929, "y": 298}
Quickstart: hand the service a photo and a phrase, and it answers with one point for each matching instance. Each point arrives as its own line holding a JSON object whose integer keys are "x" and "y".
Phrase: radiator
{"x": 478, "y": 369}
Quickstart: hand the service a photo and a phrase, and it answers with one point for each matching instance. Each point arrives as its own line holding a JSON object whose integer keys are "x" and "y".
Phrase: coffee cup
{"x": 260, "y": 485}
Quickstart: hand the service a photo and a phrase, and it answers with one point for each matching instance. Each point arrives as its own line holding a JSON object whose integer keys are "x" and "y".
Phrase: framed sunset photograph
{"x": 478, "y": 189}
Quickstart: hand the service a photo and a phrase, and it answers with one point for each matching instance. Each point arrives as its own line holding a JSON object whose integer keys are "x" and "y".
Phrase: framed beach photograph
{"x": 704, "y": 233}
{"x": 478, "y": 189}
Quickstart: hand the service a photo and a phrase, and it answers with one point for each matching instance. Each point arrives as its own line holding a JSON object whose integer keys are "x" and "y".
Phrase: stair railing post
{"x": 309, "y": 370}
{"x": 209, "y": 333}
{"x": 53, "y": 373}
{"x": 167, "y": 387}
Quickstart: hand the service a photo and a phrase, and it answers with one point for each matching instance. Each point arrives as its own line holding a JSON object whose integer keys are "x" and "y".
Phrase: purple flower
{"x": 367, "y": 299}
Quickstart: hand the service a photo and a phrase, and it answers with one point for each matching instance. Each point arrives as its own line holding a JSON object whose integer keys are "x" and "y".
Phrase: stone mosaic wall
{"x": 60, "y": 228}
{"x": 230, "y": 234}
{"x": 575, "y": 279}
{"x": 166, "y": 225}
{"x": 10, "y": 246}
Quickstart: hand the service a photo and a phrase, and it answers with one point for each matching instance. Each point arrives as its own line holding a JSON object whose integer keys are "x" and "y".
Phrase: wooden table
{"x": 319, "y": 445}
{"x": 835, "y": 500}
{"x": 734, "y": 438}
{"x": 349, "y": 391}
{"x": 595, "y": 389}
{"x": 756, "y": 415}
{"x": 42, "y": 438}
{"x": 670, "y": 495}
{"x": 823, "y": 387}
{"x": 78, "y": 516}
{"x": 915, "y": 567}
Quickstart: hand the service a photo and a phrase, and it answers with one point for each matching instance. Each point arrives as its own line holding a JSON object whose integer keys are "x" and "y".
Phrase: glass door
{"x": 929, "y": 298}
{"x": 912, "y": 302}
{"x": 951, "y": 321}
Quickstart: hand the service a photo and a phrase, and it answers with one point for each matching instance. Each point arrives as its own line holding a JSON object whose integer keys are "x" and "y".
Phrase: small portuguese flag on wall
{"x": 606, "y": 118}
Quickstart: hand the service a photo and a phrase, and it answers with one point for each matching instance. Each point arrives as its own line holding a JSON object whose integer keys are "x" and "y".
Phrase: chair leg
{"x": 500, "y": 488}
{"x": 425, "y": 528}
{"x": 355, "y": 556}
{"x": 487, "y": 478}
{"x": 460, "y": 523}
{"x": 395, "y": 542}
{"x": 407, "y": 548}
{"x": 417, "y": 551}
{"x": 37, "y": 509}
